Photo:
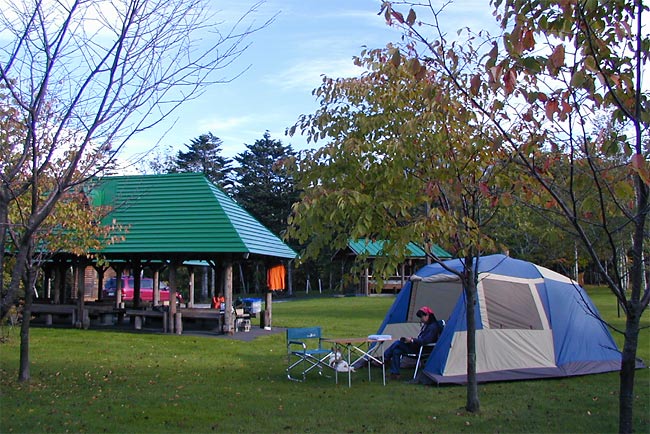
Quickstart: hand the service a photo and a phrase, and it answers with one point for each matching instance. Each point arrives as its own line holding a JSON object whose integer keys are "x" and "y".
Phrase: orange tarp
{"x": 275, "y": 277}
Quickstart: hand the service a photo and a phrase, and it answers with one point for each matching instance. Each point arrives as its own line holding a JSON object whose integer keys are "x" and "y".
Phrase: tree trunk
{"x": 473, "y": 404}
{"x": 23, "y": 369}
{"x": 17, "y": 272}
{"x": 626, "y": 375}
{"x": 637, "y": 303}
{"x": 4, "y": 231}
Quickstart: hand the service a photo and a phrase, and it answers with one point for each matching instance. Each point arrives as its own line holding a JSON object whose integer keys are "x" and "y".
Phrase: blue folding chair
{"x": 305, "y": 352}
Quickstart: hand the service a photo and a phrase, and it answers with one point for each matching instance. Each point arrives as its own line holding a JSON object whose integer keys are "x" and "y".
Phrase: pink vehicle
{"x": 146, "y": 290}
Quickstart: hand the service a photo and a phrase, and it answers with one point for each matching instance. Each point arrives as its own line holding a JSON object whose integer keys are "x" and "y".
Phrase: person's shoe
{"x": 395, "y": 377}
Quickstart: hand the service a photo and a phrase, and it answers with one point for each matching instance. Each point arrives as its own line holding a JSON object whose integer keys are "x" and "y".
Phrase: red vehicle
{"x": 146, "y": 290}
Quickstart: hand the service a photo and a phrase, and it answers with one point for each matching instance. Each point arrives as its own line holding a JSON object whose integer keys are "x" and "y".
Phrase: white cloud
{"x": 307, "y": 74}
{"x": 218, "y": 124}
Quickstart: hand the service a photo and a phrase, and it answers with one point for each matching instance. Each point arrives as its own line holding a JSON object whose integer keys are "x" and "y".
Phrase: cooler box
{"x": 252, "y": 305}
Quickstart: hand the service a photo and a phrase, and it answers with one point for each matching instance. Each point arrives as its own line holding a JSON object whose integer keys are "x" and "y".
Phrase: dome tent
{"x": 531, "y": 322}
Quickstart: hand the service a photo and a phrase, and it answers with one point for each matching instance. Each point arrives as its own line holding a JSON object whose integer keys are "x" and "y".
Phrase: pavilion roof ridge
{"x": 181, "y": 213}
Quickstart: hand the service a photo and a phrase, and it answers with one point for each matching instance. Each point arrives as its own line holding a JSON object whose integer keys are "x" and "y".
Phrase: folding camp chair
{"x": 421, "y": 357}
{"x": 424, "y": 352}
{"x": 305, "y": 352}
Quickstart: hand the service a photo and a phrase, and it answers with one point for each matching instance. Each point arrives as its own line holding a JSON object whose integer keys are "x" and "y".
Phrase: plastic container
{"x": 252, "y": 305}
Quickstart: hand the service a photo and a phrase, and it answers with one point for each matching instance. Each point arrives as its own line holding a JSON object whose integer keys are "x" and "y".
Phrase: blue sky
{"x": 286, "y": 60}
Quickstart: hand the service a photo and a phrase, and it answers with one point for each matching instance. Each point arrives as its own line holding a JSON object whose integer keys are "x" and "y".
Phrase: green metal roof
{"x": 181, "y": 213}
{"x": 376, "y": 248}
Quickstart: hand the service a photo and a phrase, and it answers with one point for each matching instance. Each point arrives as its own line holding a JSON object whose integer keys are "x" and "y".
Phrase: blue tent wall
{"x": 399, "y": 309}
{"x": 457, "y": 321}
{"x": 579, "y": 336}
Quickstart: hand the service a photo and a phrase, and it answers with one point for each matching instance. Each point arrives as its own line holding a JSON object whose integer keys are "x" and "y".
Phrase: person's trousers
{"x": 395, "y": 352}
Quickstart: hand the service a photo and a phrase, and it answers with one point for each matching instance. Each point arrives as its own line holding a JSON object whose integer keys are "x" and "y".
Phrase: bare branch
{"x": 85, "y": 76}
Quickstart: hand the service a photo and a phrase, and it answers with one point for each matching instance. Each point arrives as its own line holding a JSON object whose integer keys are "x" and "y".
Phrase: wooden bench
{"x": 63, "y": 309}
{"x": 204, "y": 316}
{"x": 139, "y": 316}
{"x": 104, "y": 311}
{"x": 48, "y": 310}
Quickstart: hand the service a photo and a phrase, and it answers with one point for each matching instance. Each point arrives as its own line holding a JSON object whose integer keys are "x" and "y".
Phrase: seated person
{"x": 429, "y": 333}
{"x": 218, "y": 301}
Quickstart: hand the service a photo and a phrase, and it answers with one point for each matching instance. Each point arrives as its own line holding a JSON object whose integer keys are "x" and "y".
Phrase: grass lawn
{"x": 105, "y": 381}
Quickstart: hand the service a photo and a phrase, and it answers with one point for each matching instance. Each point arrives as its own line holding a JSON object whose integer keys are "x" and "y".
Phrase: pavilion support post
{"x": 172, "y": 296}
{"x": 227, "y": 284}
{"x": 268, "y": 310}
{"x": 119, "y": 269}
{"x": 242, "y": 279}
{"x": 137, "y": 282}
{"x": 101, "y": 271}
{"x": 83, "y": 321}
{"x": 47, "y": 283}
{"x": 156, "y": 283}
{"x": 366, "y": 281}
{"x": 77, "y": 285}
{"x": 57, "y": 284}
{"x": 156, "y": 287}
{"x": 204, "y": 283}
{"x": 190, "y": 270}
{"x": 290, "y": 278}
{"x": 213, "y": 281}
{"x": 66, "y": 296}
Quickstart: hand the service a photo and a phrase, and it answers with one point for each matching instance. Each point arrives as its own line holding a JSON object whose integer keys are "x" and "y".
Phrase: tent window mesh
{"x": 510, "y": 305}
{"x": 441, "y": 297}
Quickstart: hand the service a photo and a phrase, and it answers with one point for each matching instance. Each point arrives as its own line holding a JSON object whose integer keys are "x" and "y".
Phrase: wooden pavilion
{"x": 164, "y": 221}
{"x": 415, "y": 258}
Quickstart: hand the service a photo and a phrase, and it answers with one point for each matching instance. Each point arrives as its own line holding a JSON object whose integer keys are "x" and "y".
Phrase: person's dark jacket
{"x": 429, "y": 333}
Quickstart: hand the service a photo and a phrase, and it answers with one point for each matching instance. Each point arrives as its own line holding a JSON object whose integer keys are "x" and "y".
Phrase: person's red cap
{"x": 426, "y": 309}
